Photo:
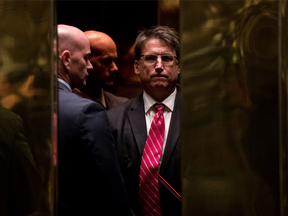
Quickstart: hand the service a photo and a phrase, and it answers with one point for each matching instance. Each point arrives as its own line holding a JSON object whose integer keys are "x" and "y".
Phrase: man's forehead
{"x": 103, "y": 49}
{"x": 151, "y": 43}
{"x": 104, "y": 43}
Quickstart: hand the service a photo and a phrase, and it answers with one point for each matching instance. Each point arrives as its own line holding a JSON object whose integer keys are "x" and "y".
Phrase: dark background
{"x": 121, "y": 20}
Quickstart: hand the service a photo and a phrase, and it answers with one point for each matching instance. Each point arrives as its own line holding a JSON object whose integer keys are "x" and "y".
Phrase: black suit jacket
{"x": 20, "y": 182}
{"x": 90, "y": 182}
{"x": 129, "y": 130}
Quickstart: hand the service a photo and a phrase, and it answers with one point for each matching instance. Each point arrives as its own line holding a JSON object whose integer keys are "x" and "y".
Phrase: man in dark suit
{"x": 90, "y": 182}
{"x": 157, "y": 64}
{"x": 103, "y": 57}
{"x": 20, "y": 181}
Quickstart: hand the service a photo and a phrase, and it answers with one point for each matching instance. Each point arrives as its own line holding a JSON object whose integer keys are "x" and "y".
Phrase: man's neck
{"x": 160, "y": 95}
{"x": 65, "y": 83}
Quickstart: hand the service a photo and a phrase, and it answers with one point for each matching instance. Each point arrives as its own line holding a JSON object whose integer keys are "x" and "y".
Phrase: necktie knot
{"x": 159, "y": 107}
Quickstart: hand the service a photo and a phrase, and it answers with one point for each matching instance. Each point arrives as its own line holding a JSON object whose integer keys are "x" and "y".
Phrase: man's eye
{"x": 150, "y": 57}
{"x": 167, "y": 58}
{"x": 86, "y": 58}
{"x": 107, "y": 61}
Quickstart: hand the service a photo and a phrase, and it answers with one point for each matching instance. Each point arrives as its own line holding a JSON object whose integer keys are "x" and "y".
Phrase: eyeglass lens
{"x": 150, "y": 58}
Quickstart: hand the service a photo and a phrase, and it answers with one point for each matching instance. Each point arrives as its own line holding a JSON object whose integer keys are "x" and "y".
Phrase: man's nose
{"x": 114, "y": 67}
{"x": 159, "y": 63}
{"x": 89, "y": 65}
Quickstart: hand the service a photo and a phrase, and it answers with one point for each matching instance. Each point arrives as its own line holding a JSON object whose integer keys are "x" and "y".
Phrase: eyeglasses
{"x": 167, "y": 60}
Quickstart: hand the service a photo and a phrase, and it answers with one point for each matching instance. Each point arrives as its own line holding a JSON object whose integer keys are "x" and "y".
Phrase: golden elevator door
{"x": 233, "y": 108}
{"x": 26, "y": 108}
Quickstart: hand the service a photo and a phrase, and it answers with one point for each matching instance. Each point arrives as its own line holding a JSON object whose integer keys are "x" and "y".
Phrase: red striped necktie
{"x": 149, "y": 200}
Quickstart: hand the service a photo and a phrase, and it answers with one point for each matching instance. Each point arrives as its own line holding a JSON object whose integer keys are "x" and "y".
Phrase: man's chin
{"x": 108, "y": 85}
{"x": 160, "y": 84}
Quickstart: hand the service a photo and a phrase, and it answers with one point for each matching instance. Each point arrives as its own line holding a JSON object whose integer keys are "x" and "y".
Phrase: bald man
{"x": 103, "y": 57}
{"x": 90, "y": 182}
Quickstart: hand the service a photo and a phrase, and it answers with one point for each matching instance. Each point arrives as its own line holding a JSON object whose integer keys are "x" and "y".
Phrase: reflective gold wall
{"x": 26, "y": 88}
{"x": 168, "y": 13}
{"x": 234, "y": 108}
{"x": 283, "y": 96}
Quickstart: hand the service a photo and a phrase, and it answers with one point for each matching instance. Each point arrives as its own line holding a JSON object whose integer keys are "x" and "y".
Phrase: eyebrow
{"x": 87, "y": 55}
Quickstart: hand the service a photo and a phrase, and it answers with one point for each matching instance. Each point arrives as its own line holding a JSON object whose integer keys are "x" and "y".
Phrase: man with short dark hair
{"x": 147, "y": 128}
{"x": 90, "y": 182}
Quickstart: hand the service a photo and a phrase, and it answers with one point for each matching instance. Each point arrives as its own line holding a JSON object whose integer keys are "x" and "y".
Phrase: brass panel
{"x": 283, "y": 93}
{"x": 168, "y": 13}
{"x": 230, "y": 113}
{"x": 26, "y": 88}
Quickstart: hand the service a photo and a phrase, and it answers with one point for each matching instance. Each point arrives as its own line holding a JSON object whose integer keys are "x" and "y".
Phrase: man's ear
{"x": 136, "y": 67}
{"x": 65, "y": 58}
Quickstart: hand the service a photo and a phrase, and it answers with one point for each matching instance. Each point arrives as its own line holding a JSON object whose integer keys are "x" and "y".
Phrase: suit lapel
{"x": 174, "y": 134}
{"x": 136, "y": 117}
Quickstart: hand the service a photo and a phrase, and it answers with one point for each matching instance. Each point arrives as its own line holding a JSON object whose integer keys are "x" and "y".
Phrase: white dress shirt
{"x": 150, "y": 112}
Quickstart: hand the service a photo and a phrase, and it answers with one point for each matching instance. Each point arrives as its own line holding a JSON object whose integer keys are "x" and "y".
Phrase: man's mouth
{"x": 159, "y": 76}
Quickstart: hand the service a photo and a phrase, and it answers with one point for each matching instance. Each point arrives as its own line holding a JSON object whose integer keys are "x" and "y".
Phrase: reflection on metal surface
{"x": 25, "y": 89}
{"x": 168, "y": 13}
{"x": 229, "y": 84}
{"x": 283, "y": 93}
{"x": 169, "y": 5}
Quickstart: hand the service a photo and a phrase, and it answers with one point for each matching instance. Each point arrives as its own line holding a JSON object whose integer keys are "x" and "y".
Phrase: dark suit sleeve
{"x": 99, "y": 147}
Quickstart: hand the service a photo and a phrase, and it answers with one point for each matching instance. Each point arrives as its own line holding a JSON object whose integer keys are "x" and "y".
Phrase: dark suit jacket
{"x": 129, "y": 130}
{"x": 110, "y": 99}
{"x": 113, "y": 100}
{"x": 20, "y": 182}
{"x": 90, "y": 182}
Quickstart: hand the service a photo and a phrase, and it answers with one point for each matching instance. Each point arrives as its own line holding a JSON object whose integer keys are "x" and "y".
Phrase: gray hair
{"x": 163, "y": 33}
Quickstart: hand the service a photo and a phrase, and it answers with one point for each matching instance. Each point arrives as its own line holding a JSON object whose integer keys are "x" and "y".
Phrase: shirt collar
{"x": 103, "y": 98}
{"x": 66, "y": 84}
{"x": 168, "y": 102}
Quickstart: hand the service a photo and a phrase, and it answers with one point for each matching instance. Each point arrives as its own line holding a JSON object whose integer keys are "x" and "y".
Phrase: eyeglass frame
{"x": 175, "y": 57}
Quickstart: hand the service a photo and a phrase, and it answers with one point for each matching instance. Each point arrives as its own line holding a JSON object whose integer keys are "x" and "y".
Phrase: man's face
{"x": 5, "y": 87}
{"x": 103, "y": 58}
{"x": 80, "y": 64}
{"x": 160, "y": 75}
